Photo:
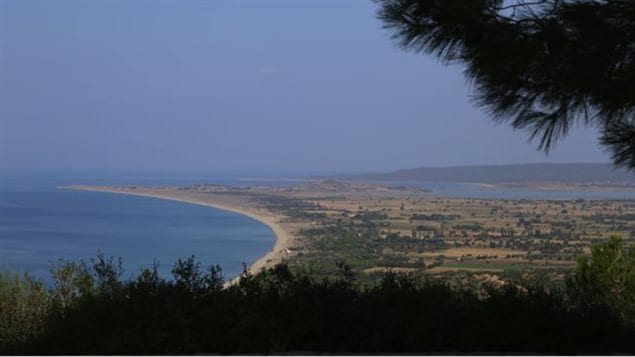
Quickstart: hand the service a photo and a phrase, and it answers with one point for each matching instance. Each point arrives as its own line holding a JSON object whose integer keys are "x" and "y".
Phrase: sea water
{"x": 41, "y": 222}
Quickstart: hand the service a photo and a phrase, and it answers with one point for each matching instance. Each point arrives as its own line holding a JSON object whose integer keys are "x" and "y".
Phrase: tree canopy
{"x": 607, "y": 276}
{"x": 543, "y": 66}
{"x": 90, "y": 309}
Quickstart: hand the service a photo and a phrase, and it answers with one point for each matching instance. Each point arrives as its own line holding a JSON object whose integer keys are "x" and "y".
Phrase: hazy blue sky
{"x": 242, "y": 86}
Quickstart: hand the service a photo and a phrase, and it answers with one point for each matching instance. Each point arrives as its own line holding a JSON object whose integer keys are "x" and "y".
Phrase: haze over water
{"x": 268, "y": 86}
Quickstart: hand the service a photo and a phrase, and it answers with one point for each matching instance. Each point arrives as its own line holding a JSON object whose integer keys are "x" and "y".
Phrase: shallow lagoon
{"x": 470, "y": 190}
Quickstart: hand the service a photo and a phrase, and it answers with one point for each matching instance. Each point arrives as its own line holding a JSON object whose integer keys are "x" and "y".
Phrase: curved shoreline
{"x": 282, "y": 238}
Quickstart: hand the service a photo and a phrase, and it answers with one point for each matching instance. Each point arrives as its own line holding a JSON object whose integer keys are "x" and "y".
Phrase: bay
{"x": 40, "y": 222}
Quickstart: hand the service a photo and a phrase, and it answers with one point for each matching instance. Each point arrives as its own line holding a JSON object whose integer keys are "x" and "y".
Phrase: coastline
{"x": 282, "y": 237}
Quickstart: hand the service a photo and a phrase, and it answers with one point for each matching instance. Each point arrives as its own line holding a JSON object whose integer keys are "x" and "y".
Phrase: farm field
{"x": 452, "y": 234}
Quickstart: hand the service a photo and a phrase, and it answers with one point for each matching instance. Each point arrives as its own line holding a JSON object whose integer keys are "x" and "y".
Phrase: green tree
{"x": 24, "y": 305}
{"x": 541, "y": 65}
{"x": 607, "y": 276}
{"x": 72, "y": 280}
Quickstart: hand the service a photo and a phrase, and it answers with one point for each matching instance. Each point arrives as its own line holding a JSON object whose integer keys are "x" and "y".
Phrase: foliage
{"x": 543, "y": 65}
{"x": 607, "y": 276}
{"x": 24, "y": 304}
{"x": 283, "y": 311}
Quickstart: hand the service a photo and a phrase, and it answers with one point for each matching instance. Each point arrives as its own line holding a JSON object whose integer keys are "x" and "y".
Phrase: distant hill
{"x": 521, "y": 173}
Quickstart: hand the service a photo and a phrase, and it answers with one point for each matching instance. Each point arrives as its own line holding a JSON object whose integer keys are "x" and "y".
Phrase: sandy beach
{"x": 284, "y": 236}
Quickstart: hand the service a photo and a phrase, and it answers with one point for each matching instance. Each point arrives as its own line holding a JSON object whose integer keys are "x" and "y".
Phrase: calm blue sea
{"x": 40, "y": 223}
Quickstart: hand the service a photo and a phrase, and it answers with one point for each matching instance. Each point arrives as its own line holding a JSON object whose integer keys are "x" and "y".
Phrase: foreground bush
{"x": 90, "y": 310}
{"x": 24, "y": 305}
{"x": 607, "y": 276}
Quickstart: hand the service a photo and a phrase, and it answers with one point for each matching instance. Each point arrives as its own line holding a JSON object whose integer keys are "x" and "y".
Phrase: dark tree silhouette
{"x": 543, "y": 66}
